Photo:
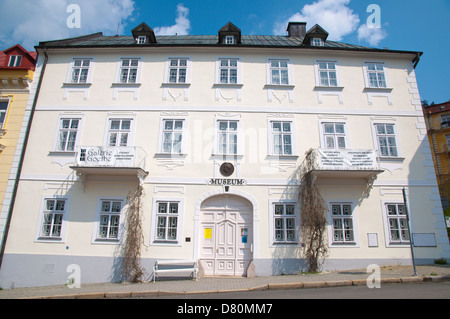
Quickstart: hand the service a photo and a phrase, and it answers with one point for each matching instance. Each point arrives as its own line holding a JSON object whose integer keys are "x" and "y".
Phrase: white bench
{"x": 176, "y": 268}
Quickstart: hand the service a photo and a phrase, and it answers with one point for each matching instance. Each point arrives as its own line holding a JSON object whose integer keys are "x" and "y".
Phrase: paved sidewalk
{"x": 394, "y": 274}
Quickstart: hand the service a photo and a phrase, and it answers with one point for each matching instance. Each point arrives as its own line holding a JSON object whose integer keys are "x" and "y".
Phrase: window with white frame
{"x": 14, "y": 60}
{"x": 167, "y": 220}
{"x": 342, "y": 223}
{"x": 386, "y": 139}
{"x": 109, "y": 220}
{"x": 327, "y": 73}
{"x": 334, "y": 135}
{"x": 80, "y": 70}
{"x": 228, "y": 71}
{"x": 227, "y": 137}
{"x": 284, "y": 223}
{"x": 53, "y": 218}
{"x": 68, "y": 131}
{"x": 142, "y": 39}
{"x": 129, "y": 70}
{"x": 318, "y": 42}
{"x": 3, "y": 112}
{"x": 230, "y": 39}
{"x": 376, "y": 76}
{"x": 172, "y": 136}
{"x": 119, "y": 131}
{"x": 397, "y": 223}
{"x": 279, "y": 71}
{"x": 178, "y": 69}
{"x": 282, "y": 140}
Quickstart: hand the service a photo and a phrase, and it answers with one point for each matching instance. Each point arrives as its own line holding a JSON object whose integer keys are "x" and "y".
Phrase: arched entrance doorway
{"x": 226, "y": 235}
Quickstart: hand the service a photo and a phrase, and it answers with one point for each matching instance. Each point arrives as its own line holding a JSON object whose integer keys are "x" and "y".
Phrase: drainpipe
{"x": 22, "y": 155}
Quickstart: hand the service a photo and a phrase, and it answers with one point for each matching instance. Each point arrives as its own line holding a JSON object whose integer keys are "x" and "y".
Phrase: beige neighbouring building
{"x": 215, "y": 128}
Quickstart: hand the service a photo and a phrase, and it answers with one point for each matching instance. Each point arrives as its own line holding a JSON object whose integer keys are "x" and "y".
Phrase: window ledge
{"x": 170, "y": 155}
{"x": 2, "y": 132}
{"x": 279, "y": 86}
{"x": 228, "y": 156}
{"x": 62, "y": 153}
{"x": 374, "y": 89}
{"x": 125, "y": 84}
{"x": 390, "y": 159}
{"x": 228, "y": 85}
{"x": 80, "y": 85}
{"x": 167, "y": 84}
{"x": 328, "y": 88}
{"x": 286, "y": 157}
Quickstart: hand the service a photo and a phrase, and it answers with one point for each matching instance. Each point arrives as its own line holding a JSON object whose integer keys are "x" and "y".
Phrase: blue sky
{"x": 413, "y": 25}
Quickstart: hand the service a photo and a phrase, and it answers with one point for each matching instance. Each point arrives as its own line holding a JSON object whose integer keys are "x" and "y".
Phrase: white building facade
{"x": 215, "y": 129}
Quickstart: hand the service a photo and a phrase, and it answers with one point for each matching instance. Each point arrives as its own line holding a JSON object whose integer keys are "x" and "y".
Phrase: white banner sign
{"x": 347, "y": 159}
{"x": 95, "y": 156}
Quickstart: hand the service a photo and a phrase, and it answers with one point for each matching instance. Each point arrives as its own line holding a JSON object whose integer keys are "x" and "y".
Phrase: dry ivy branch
{"x": 134, "y": 239}
{"x": 313, "y": 217}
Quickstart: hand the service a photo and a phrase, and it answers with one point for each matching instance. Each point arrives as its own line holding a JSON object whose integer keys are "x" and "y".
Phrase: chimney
{"x": 296, "y": 29}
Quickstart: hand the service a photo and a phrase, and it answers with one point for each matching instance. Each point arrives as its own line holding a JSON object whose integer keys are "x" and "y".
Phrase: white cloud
{"x": 182, "y": 24}
{"x": 372, "y": 35}
{"x": 333, "y": 15}
{"x": 31, "y": 21}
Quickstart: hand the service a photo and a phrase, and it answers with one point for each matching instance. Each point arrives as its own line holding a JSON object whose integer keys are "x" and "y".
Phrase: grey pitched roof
{"x": 274, "y": 41}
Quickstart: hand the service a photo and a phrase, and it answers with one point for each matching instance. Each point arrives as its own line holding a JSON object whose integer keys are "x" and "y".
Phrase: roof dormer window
{"x": 317, "y": 42}
{"x": 14, "y": 60}
{"x": 142, "y": 39}
{"x": 143, "y": 34}
{"x": 229, "y": 34}
{"x": 230, "y": 39}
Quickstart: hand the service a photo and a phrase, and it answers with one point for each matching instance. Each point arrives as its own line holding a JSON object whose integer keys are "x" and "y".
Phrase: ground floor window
{"x": 109, "y": 222}
{"x": 397, "y": 223}
{"x": 342, "y": 223}
{"x": 284, "y": 223}
{"x": 167, "y": 217}
{"x": 52, "y": 219}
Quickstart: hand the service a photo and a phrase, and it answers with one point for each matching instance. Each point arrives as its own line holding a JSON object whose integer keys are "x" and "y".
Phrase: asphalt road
{"x": 386, "y": 291}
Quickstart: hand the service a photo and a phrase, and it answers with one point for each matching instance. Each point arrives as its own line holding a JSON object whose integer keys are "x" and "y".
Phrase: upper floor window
{"x": 14, "y": 60}
{"x": 178, "y": 70}
{"x": 80, "y": 70}
{"x": 172, "y": 136}
{"x": 129, "y": 70}
{"x": 227, "y": 137}
{"x": 445, "y": 120}
{"x": 119, "y": 132}
{"x": 228, "y": 71}
{"x": 334, "y": 135}
{"x": 3, "y": 111}
{"x": 279, "y": 72}
{"x": 68, "y": 132}
{"x": 282, "y": 132}
{"x": 387, "y": 144}
{"x": 327, "y": 73}
{"x": 376, "y": 77}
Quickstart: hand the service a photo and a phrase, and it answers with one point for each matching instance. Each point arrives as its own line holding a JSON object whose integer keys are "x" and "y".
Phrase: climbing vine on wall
{"x": 133, "y": 239}
{"x": 313, "y": 221}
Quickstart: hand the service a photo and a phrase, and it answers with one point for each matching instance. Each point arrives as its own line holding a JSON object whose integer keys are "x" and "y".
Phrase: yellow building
{"x": 17, "y": 67}
{"x": 438, "y": 126}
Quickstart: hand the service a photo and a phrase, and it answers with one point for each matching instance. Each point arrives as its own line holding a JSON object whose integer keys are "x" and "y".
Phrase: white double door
{"x": 226, "y": 236}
